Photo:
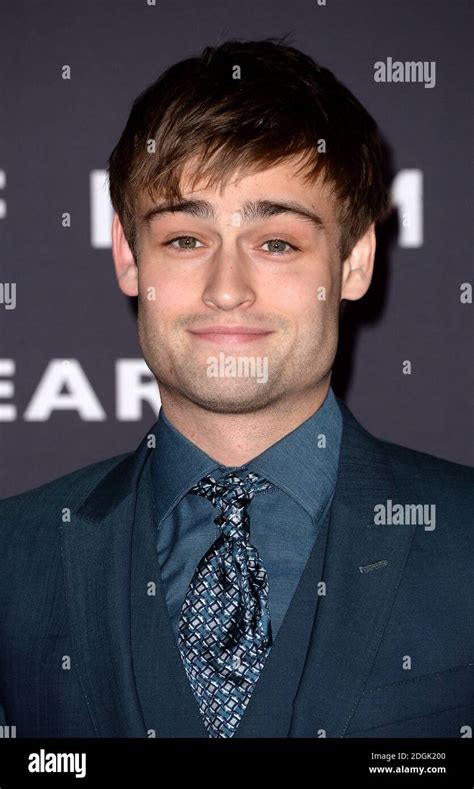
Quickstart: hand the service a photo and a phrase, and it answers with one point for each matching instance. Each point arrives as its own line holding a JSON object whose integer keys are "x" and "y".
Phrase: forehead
{"x": 283, "y": 181}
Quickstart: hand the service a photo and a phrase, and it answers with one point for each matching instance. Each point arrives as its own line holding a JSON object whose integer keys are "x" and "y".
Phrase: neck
{"x": 247, "y": 434}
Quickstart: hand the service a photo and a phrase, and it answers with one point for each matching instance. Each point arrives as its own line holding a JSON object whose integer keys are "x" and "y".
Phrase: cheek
{"x": 320, "y": 289}
{"x": 162, "y": 292}
{"x": 299, "y": 295}
{"x": 311, "y": 302}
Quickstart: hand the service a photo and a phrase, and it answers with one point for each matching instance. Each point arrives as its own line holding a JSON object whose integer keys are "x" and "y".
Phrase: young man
{"x": 260, "y": 566}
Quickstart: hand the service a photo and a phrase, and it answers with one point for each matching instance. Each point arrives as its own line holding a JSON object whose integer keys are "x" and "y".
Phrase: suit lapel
{"x": 96, "y": 552}
{"x": 166, "y": 698}
{"x": 269, "y": 711}
{"x": 363, "y": 568}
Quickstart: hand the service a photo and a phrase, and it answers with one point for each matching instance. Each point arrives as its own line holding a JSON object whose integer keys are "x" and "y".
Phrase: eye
{"x": 190, "y": 242}
{"x": 187, "y": 245}
{"x": 275, "y": 246}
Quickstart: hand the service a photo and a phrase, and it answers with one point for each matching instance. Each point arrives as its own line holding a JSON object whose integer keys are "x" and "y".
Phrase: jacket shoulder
{"x": 69, "y": 490}
{"x": 432, "y": 469}
{"x": 429, "y": 468}
{"x": 445, "y": 486}
{"x": 441, "y": 481}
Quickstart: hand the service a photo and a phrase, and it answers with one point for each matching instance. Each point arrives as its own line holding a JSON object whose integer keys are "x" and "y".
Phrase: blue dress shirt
{"x": 284, "y": 521}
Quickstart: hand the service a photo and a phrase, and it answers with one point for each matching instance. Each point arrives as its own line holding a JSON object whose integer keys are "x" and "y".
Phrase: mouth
{"x": 231, "y": 335}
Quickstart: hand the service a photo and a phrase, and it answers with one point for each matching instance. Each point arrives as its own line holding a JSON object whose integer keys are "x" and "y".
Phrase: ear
{"x": 358, "y": 268}
{"x": 126, "y": 269}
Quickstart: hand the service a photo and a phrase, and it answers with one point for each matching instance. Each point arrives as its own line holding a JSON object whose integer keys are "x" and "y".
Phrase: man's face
{"x": 272, "y": 271}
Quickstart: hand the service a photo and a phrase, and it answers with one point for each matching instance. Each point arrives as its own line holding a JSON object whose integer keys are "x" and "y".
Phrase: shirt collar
{"x": 303, "y": 463}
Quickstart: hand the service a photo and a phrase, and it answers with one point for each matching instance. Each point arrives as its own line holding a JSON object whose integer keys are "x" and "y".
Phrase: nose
{"x": 228, "y": 283}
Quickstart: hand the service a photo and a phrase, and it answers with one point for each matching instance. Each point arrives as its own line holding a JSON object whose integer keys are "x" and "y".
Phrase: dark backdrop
{"x": 70, "y": 321}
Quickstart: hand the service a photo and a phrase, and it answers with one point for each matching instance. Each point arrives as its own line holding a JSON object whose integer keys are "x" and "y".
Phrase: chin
{"x": 231, "y": 402}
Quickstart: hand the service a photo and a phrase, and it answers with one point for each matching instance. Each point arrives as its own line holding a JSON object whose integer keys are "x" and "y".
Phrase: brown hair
{"x": 281, "y": 105}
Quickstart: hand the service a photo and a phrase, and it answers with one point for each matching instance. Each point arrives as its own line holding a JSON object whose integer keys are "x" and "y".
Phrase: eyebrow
{"x": 250, "y": 211}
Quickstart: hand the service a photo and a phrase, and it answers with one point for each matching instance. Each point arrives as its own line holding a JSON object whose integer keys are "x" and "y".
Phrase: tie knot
{"x": 232, "y": 494}
{"x": 230, "y": 488}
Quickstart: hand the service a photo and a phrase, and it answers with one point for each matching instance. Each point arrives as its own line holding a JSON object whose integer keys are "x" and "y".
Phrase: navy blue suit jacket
{"x": 377, "y": 642}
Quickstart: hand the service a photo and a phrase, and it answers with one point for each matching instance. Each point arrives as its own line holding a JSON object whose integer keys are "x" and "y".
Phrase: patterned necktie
{"x": 224, "y": 632}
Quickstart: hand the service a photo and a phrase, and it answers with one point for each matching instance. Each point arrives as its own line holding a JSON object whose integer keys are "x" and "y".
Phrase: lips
{"x": 230, "y": 334}
{"x": 230, "y": 330}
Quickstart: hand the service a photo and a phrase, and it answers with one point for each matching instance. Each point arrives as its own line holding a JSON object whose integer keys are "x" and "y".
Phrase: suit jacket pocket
{"x": 417, "y": 697}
